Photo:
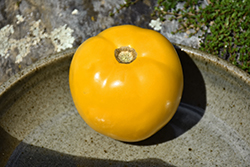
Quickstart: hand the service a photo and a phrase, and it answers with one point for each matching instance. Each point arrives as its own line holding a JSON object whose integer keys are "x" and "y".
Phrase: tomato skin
{"x": 127, "y": 102}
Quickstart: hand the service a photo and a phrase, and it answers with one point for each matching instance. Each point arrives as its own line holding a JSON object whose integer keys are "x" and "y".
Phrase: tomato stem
{"x": 125, "y": 54}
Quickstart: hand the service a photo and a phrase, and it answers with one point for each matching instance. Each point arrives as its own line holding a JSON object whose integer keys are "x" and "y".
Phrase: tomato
{"x": 126, "y": 82}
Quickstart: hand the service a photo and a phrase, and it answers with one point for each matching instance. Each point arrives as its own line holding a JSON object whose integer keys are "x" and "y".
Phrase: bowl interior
{"x": 39, "y": 124}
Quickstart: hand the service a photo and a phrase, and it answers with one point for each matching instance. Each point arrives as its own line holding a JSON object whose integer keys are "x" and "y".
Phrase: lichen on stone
{"x": 60, "y": 37}
{"x": 20, "y": 19}
{"x": 155, "y": 24}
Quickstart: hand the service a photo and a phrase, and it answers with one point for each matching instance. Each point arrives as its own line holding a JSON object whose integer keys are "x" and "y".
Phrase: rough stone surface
{"x": 30, "y": 29}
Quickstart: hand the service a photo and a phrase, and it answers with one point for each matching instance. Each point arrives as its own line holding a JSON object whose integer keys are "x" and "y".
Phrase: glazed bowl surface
{"x": 39, "y": 125}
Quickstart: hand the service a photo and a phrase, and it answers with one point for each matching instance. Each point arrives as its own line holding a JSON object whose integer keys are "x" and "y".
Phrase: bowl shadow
{"x": 26, "y": 155}
{"x": 192, "y": 106}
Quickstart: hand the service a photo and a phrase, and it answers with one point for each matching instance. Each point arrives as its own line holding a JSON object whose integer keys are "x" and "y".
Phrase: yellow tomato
{"x": 126, "y": 82}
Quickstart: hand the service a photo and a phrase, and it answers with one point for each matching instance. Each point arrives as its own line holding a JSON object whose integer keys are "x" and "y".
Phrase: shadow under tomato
{"x": 26, "y": 155}
{"x": 191, "y": 108}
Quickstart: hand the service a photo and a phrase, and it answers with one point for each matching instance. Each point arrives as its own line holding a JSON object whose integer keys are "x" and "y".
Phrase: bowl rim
{"x": 35, "y": 67}
{"x": 192, "y": 52}
{"x": 217, "y": 61}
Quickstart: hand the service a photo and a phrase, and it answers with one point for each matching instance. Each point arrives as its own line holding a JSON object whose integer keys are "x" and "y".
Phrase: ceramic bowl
{"x": 39, "y": 125}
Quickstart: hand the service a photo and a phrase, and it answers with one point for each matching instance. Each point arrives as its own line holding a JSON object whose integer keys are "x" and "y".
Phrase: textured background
{"x": 31, "y": 29}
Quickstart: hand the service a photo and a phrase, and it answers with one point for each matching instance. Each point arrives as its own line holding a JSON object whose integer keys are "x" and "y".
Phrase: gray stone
{"x": 32, "y": 29}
